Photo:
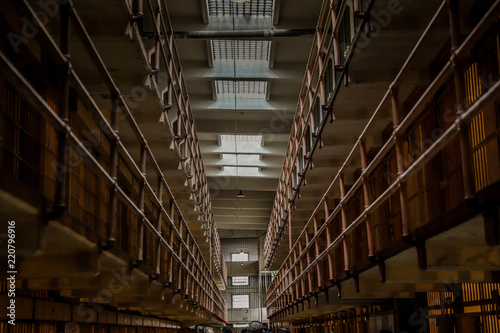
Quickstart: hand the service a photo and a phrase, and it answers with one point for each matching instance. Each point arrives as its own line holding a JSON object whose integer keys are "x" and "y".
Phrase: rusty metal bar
{"x": 63, "y": 153}
{"x": 366, "y": 196}
{"x": 156, "y": 65}
{"x": 137, "y": 9}
{"x": 159, "y": 224}
{"x": 458, "y": 75}
{"x": 140, "y": 219}
{"x": 113, "y": 167}
{"x": 316, "y": 254}
{"x": 403, "y": 197}
{"x": 344, "y": 222}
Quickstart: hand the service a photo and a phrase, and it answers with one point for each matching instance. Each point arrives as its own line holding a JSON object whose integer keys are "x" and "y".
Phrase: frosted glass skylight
{"x": 241, "y": 54}
{"x": 231, "y": 143}
{"x": 240, "y": 160}
{"x": 240, "y": 171}
{"x": 241, "y": 89}
{"x": 253, "y": 7}
{"x": 241, "y": 155}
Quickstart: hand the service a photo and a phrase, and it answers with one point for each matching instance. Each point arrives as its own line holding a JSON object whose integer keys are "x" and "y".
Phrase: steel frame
{"x": 199, "y": 286}
{"x": 289, "y": 286}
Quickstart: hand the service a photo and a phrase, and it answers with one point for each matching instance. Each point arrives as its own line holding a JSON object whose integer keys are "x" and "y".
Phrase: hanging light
{"x": 240, "y": 194}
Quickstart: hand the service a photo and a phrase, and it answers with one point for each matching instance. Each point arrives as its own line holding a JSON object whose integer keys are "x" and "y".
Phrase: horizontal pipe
{"x": 239, "y": 34}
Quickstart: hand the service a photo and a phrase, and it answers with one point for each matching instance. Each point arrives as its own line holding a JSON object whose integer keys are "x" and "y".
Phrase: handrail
{"x": 461, "y": 120}
{"x": 413, "y": 55}
{"x": 308, "y": 79}
{"x": 111, "y": 135}
{"x": 135, "y": 127}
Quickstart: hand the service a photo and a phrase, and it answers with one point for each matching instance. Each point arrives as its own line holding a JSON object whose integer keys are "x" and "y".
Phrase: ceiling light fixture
{"x": 240, "y": 1}
{"x": 240, "y": 194}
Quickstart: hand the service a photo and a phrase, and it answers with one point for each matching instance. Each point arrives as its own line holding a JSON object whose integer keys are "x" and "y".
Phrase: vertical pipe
{"x": 366, "y": 192}
{"x": 63, "y": 151}
{"x": 327, "y": 208}
{"x": 140, "y": 219}
{"x": 290, "y": 244}
{"x": 331, "y": 272}
{"x": 178, "y": 133}
{"x": 344, "y": 224}
{"x": 319, "y": 57}
{"x": 308, "y": 259}
{"x": 356, "y": 6}
{"x": 317, "y": 253}
{"x": 458, "y": 73}
{"x": 113, "y": 167}
{"x": 137, "y": 8}
{"x": 156, "y": 67}
{"x": 158, "y": 226}
{"x": 336, "y": 48}
{"x": 403, "y": 198}
{"x": 301, "y": 267}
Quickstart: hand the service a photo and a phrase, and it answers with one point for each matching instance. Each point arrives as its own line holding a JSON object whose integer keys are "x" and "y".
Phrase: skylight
{"x": 242, "y": 51}
{"x": 235, "y": 144}
{"x": 240, "y": 160}
{"x": 240, "y": 58}
{"x": 253, "y": 7}
{"x": 241, "y": 89}
{"x": 241, "y": 155}
{"x": 240, "y": 171}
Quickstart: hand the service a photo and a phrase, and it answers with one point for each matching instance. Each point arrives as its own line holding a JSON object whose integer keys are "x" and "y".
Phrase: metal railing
{"x": 193, "y": 278}
{"x": 313, "y": 111}
{"x": 334, "y": 241}
{"x": 177, "y": 100}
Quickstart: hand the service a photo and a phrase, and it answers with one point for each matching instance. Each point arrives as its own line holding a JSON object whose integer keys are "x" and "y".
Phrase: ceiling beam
{"x": 265, "y": 34}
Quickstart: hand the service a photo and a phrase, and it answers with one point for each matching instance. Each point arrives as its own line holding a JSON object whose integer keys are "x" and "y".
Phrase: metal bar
{"x": 140, "y": 219}
{"x": 113, "y": 167}
{"x": 403, "y": 197}
{"x": 63, "y": 152}
{"x": 159, "y": 224}
{"x": 316, "y": 253}
{"x": 458, "y": 75}
{"x": 344, "y": 223}
{"x": 137, "y": 9}
{"x": 366, "y": 196}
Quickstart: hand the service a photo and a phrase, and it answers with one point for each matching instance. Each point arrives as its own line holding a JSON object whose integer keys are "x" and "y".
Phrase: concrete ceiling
{"x": 272, "y": 119}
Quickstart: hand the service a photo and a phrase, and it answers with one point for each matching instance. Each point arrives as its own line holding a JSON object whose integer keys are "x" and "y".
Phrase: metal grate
{"x": 255, "y": 89}
{"x": 240, "y": 50}
{"x": 251, "y": 7}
